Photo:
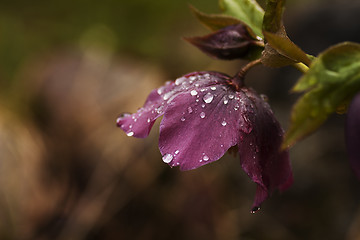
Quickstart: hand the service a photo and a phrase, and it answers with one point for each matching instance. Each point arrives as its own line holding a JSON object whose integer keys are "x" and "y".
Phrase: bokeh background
{"x": 68, "y": 68}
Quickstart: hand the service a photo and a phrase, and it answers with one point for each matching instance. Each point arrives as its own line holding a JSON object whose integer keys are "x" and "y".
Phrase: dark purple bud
{"x": 229, "y": 43}
{"x": 205, "y": 114}
{"x": 352, "y": 134}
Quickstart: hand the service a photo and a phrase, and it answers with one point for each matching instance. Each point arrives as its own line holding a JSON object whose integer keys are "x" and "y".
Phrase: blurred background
{"x": 68, "y": 68}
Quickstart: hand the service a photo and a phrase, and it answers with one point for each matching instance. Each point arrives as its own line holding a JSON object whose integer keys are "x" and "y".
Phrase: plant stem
{"x": 259, "y": 43}
{"x": 247, "y": 67}
{"x": 301, "y": 67}
{"x": 238, "y": 79}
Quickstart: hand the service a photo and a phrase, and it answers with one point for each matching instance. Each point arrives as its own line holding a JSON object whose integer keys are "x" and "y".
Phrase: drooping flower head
{"x": 206, "y": 113}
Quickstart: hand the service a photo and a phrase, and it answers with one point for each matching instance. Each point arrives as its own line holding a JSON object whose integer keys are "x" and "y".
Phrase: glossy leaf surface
{"x": 214, "y": 21}
{"x": 332, "y": 80}
{"x": 248, "y": 11}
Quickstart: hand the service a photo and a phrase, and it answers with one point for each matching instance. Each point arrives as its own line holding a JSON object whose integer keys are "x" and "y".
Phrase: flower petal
{"x": 198, "y": 129}
{"x": 352, "y": 134}
{"x": 200, "y": 125}
{"x": 259, "y": 150}
{"x": 140, "y": 123}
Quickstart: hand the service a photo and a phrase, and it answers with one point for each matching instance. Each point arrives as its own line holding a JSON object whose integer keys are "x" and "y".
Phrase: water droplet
{"x": 167, "y": 95}
{"x": 148, "y": 120}
{"x": 177, "y": 152}
{"x": 197, "y": 100}
{"x": 182, "y": 119}
{"x": 226, "y": 101}
{"x": 193, "y": 92}
{"x": 264, "y": 97}
{"x": 206, "y": 75}
{"x": 202, "y": 114}
{"x": 159, "y": 109}
{"x": 130, "y": 126}
{"x": 223, "y": 123}
{"x": 255, "y": 209}
{"x": 190, "y": 110}
{"x": 231, "y": 96}
{"x": 124, "y": 115}
{"x": 192, "y": 78}
{"x": 179, "y": 81}
{"x": 236, "y": 107}
{"x": 222, "y": 145}
{"x": 203, "y": 105}
{"x": 208, "y": 98}
{"x": 205, "y": 158}
{"x": 213, "y": 88}
{"x": 160, "y": 90}
{"x": 130, "y": 134}
{"x": 167, "y": 158}
{"x": 197, "y": 84}
{"x": 203, "y": 90}
{"x": 118, "y": 120}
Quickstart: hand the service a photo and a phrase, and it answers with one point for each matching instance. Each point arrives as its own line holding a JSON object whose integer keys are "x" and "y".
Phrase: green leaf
{"x": 272, "y": 58}
{"x": 273, "y": 16}
{"x": 285, "y": 47}
{"x": 332, "y": 81}
{"x": 279, "y": 50}
{"x": 340, "y": 59}
{"x": 214, "y": 21}
{"x": 248, "y": 11}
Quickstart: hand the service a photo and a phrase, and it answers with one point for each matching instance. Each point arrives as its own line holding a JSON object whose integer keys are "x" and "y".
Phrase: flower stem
{"x": 247, "y": 67}
{"x": 301, "y": 67}
{"x": 238, "y": 79}
{"x": 259, "y": 43}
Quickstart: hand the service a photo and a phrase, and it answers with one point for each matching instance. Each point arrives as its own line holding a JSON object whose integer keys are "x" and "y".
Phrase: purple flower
{"x": 352, "y": 133}
{"x": 206, "y": 113}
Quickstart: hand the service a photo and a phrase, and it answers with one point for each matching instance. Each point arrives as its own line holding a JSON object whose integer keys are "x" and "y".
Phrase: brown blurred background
{"x": 68, "y": 68}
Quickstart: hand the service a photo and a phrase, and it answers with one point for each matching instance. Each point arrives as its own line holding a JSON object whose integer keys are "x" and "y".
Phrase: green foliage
{"x": 332, "y": 80}
{"x": 273, "y": 16}
{"x": 248, "y": 11}
{"x": 279, "y": 50}
{"x": 214, "y": 21}
{"x": 285, "y": 47}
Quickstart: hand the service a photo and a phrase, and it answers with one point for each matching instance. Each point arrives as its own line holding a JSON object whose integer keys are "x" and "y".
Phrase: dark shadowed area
{"x": 68, "y": 68}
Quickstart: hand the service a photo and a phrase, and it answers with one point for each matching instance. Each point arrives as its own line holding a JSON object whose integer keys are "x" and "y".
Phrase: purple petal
{"x": 259, "y": 150}
{"x": 197, "y": 129}
{"x": 140, "y": 123}
{"x": 200, "y": 125}
{"x": 352, "y": 134}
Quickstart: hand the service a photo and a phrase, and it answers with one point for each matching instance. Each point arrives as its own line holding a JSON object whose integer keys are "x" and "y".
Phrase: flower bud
{"x": 229, "y": 43}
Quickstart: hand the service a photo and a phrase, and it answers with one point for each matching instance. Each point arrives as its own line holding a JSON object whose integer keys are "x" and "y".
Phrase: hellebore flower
{"x": 229, "y": 43}
{"x": 352, "y": 134}
{"x": 206, "y": 113}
